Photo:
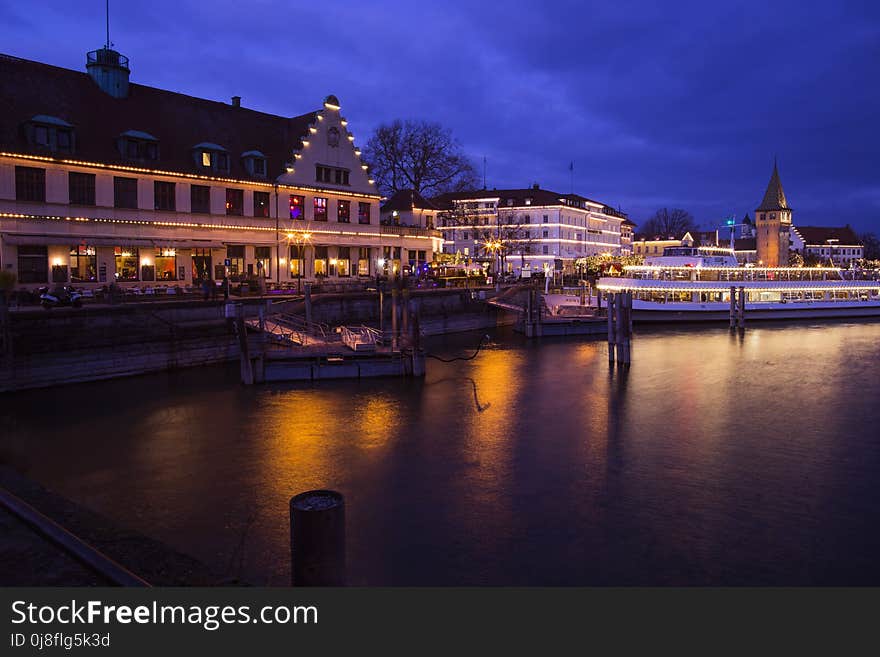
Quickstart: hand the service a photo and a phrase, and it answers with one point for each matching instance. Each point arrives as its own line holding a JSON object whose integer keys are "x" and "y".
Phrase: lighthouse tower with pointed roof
{"x": 773, "y": 223}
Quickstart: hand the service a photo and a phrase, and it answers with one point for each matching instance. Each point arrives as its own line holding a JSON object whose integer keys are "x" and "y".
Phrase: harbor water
{"x": 716, "y": 458}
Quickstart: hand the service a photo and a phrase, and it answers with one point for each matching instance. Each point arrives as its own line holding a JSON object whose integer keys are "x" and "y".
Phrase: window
{"x": 545, "y": 250}
{"x": 464, "y": 236}
{"x": 200, "y": 198}
{"x": 528, "y": 200}
{"x": 297, "y": 207}
{"x": 30, "y": 184}
{"x": 320, "y": 209}
{"x": 235, "y": 255}
{"x": 263, "y": 255}
{"x": 297, "y": 257}
{"x": 33, "y": 264}
{"x": 363, "y": 213}
{"x": 166, "y": 264}
{"x": 527, "y": 219}
{"x": 212, "y": 157}
{"x": 331, "y": 175}
{"x": 343, "y": 261}
{"x": 256, "y": 165}
{"x": 57, "y": 135}
{"x": 136, "y": 145}
{"x": 363, "y": 261}
{"x": 125, "y": 192}
{"x": 83, "y": 264}
{"x": 546, "y": 218}
{"x": 545, "y": 233}
{"x": 343, "y": 213}
{"x": 164, "y": 195}
{"x": 126, "y": 259}
{"x": 320, "y": 261}
{"x": 429, "y": 221}
{"x": 81, "y": 188}
{"x": 63, "y": 139}
{"x": 261, "y": 204}
{"x": 235, "y": 201}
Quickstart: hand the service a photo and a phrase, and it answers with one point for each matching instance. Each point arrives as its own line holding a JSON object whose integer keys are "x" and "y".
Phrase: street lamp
{"x": 300, "y": 239}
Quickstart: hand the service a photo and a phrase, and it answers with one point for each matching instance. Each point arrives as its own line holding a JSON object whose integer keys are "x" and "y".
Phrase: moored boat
{"x": 696, "y": 284}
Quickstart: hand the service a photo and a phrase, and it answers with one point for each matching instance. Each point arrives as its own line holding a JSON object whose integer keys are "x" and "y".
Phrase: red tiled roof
{"x": 406, "y": 200}
{"x": 813, "y": 235}
{"x": 177, "y": 121}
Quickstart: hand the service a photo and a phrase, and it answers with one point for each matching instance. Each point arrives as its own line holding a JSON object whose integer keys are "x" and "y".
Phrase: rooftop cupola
{"x": 109, "y": 69}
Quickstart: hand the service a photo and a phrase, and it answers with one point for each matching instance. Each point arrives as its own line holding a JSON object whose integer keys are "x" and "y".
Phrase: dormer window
{"x": 138, "y": 145}
{"x": 255, "y": 163}
{"x": 50, "y": 132}
{"x": 211, "y": 156}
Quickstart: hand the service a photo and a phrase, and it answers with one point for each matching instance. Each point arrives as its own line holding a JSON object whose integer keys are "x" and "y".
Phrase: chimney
{"x": 236, "y": 101}
{"x": 536, "y": 186}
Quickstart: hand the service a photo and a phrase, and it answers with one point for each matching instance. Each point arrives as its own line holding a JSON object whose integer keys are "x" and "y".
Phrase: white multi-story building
{"x": 102, "y": 181}
{"x": 535, "y": 226}
{"x": 838, "y": 245}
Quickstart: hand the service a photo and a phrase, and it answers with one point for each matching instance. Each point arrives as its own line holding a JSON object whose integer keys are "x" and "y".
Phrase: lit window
{"x": 206, "y": 159}
{"x": 320, "y": 209}
{"x": 297, "y": 203}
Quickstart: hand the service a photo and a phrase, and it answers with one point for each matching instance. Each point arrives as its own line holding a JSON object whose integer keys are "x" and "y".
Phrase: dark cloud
{"x": 682, "y": 104}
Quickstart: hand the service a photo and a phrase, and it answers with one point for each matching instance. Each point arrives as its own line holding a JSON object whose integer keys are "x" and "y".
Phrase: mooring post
{"x": 394, "y": 337}
{"x": 247, "y": 370}
{"x": 317, "y": 539}
{"x": 624, "y": 328}
{"x": 308, "y": 304}
{"x": 742, "y": 308}
{"x": 732, "y": 307}
{"x": 404, "y": 316}
{"x": 381, "y": 309}
{"x": 612, "y": 339}
{"x": 620, "y": 325}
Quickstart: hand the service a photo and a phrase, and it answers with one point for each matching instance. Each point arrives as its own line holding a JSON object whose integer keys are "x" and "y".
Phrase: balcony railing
{"x": 107, "y": 57}
{"x": 409, "y": 231}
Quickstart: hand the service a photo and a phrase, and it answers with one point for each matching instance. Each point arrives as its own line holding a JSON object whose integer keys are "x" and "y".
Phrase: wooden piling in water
{"x": 741, "y": 311}
{"x": 247, "y": 370}
{"x": 308, "y": 303}
{"x": 404, "y": 316}
{"x": 732, "y": 307}
{"x": 612, "y": 337}
{"x": 394, "y": 336}
{"x": 317, "y": 539}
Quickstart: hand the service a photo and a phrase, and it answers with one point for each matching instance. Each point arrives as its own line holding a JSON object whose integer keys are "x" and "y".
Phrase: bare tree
{"x": 667, "y": 223}
{"x": 504, "y": 235}
{"x": 418, "y": 155}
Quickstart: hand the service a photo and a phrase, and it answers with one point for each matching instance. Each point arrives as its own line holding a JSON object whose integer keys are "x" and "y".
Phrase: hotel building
{"x": 542, "y": 226}
{"x": 104, "y": 180}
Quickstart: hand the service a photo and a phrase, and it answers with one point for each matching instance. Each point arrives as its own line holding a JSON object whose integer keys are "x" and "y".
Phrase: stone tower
{"x": 773, "y": 223}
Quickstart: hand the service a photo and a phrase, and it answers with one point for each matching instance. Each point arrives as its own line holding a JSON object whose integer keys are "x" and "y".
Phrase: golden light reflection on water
{"x": 713, "y": 453}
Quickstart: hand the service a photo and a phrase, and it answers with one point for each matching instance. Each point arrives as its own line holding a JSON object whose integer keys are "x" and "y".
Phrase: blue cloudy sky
{"x": 678, "y": 104}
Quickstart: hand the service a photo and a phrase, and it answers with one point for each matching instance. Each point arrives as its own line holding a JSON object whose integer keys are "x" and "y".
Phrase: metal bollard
{"x": 317, "y": 539}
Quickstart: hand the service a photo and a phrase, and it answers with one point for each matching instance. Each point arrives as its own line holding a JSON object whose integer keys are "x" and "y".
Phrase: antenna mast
{"x": 107, "y": 15}
{"x": 484, "y": 172}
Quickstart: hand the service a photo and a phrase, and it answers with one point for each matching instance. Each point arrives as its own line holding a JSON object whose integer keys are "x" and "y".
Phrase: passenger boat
{"x": 696, "y": 283}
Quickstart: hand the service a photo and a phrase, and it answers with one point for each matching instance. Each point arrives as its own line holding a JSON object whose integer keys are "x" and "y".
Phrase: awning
{"x": 46, "y": 240}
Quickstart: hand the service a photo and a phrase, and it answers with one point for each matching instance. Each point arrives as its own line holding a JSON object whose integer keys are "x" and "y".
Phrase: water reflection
{"x": 716, "y": 457}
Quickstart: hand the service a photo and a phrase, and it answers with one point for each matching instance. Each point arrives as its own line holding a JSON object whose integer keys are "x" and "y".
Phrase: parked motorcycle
{"x": 61, "y": 296}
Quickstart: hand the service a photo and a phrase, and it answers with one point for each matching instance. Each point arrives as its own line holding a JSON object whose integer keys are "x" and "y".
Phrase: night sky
{"x": 658, "y": 104}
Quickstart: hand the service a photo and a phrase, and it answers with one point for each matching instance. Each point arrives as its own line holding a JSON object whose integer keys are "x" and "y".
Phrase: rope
{"x": 483, "y": 340}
